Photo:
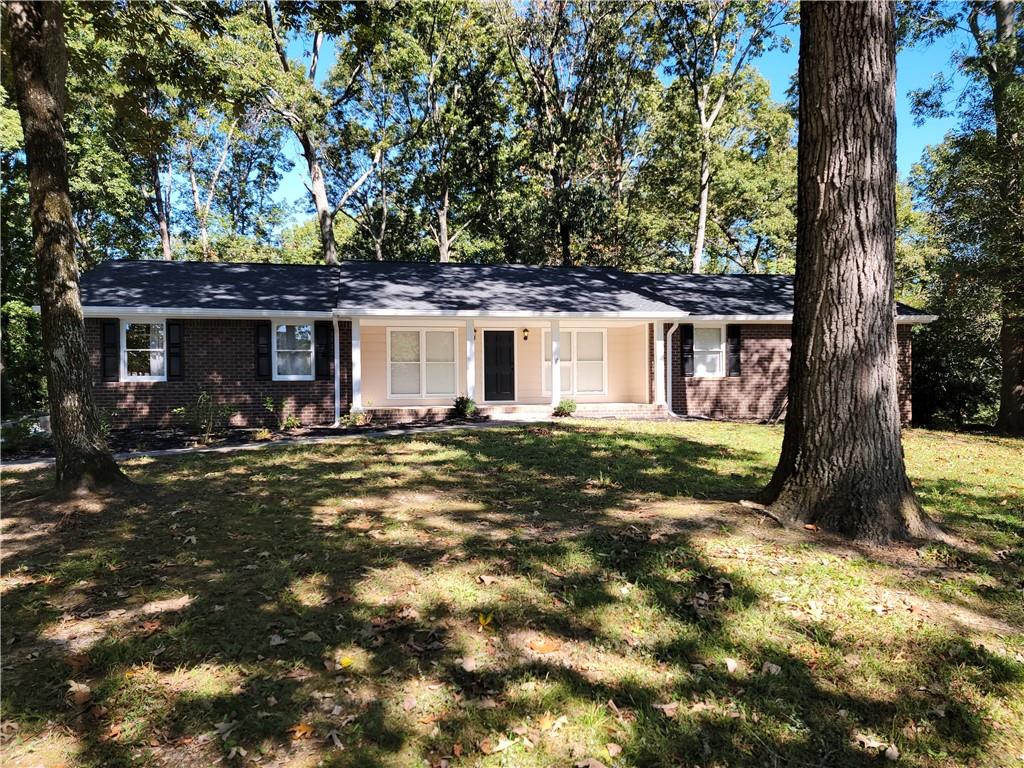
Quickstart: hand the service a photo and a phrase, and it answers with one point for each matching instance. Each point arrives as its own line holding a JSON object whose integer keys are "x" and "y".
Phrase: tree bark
{"x": 160, "y": 208}
{"x": 1011, "y": 391}
{"x": 842, "y": 463}
{"x": 702, "y": 210}
{"x": 39, "y": 64}
{"x": 443, "y": 244}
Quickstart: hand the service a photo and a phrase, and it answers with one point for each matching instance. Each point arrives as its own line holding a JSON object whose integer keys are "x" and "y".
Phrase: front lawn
{"x": 570, "y": 594}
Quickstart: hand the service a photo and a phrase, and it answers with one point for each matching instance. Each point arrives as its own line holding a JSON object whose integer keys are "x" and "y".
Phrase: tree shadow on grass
{"x": 406, "y": 558}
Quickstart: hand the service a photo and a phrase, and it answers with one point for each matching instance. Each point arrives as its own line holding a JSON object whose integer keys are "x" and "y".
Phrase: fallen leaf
{"x": 457, "y": 749}
{"x": 670, "y": 709}
{"x": 468, "y": 664}
{"x": 545, "y": 645}
{"x": 730, "y": 665}
{"x": 236, "y": 751}
{"x": 409, "y": 704}
{"x": 301, "y": 731}
{"x": 484, "y": 620}
{"x": 225, "y": 727}
{"x": 811, "y": 527}
{"x": 335, "y": 738}
{"x": 590, "y": 762}
{"x": 486, "y": 580}
{"x": 80, "y": 693}
{"x": 892, "y": 753}
{"x": 490, "y": 748}
{"x": 614, "y": 750}
{"x": 277, "y": 640}
{"x": 770, "y": 669}
{"x": 311, "y": 637}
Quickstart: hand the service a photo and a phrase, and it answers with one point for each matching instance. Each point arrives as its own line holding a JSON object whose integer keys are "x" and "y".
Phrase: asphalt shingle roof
{"x": 430, "y": 287}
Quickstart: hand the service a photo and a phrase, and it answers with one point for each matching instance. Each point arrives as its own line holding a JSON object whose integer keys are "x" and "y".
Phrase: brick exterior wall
{"x": 219, "y": 358}
{"x": 759, "y": 392}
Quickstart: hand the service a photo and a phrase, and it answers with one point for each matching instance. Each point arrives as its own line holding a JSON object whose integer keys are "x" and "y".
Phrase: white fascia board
{"x": 473, "y": 313}
{"x": 201, "y": 314}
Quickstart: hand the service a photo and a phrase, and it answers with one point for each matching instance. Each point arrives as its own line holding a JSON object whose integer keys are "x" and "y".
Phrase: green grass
{"x": 511, "y": 596}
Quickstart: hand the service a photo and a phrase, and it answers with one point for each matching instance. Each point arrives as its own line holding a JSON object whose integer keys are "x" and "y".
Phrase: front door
{"x": 499, "y": 365}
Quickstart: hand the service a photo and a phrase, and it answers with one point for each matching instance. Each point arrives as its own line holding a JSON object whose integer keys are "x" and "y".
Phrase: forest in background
{"x": 634, "y": 135}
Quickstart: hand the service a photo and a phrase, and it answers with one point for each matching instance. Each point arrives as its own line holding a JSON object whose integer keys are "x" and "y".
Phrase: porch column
{"x": 470, "y": 360}
{"x": 556, "y": 359}
{"x": 357, "y": 367}
{"x": 659, "y": 363}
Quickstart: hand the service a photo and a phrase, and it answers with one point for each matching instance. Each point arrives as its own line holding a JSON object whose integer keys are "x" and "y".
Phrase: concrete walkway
{"x": 289, "y": 442}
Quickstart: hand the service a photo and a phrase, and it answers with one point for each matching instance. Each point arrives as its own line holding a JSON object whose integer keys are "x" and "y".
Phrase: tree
{"x": 564, "y": 55}
{"x": 712, "y": 42}
{"x": 992, "y": 136}
{"x": 39, "y": 63}
{"x": 842, "y": 464}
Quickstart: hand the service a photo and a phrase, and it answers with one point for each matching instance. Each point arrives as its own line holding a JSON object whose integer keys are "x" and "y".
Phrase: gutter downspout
{"x": 668, "y": 366}
{"x": 337, "y": 374}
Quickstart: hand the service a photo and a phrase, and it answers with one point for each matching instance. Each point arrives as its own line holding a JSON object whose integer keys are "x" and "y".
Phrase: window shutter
{"x": 175, "y": 350}
{"x": 110, "y": 350}
{"x": 263, "y": 349}
{"x": 686, "y": 356}
{"x": 732, "y": 350}
{"x": 323, "y": 337}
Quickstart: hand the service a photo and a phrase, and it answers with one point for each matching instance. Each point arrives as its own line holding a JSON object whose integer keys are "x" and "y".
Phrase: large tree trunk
{"x": 842, "y": 461}
{"x": 1011, "y": 391}
{"x": 702, "y": 210}
{"x": 443, "y": 243}
{"x": 39, "y": 63}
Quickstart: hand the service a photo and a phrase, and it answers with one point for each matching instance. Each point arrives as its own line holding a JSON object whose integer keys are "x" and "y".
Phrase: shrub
{"x": 205, "y": 416}
{"x": 565, "y": 407}
{"x": 281, "y": 419}
{"x": 355, "y": 419}
{"x": 465, "y": 407}
{"x": 24, "y": 435}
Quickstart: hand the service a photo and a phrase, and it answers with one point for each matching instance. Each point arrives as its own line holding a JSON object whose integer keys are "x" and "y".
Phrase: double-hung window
{"x": 144, "y": 355}
{"x": 293, "y": 352}
{"x": 583, "y": 364}
{"x": 708, "y": 352}
{"x": 421, "y": 363}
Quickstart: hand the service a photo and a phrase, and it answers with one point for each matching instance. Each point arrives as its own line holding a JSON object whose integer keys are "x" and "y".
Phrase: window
{"x": 708, "y": 352}
{"x": 583, "y": 366}
{"x": 145, "y": 351}
{"x": 422, "y": 363}
{"x": 293, "y": 352}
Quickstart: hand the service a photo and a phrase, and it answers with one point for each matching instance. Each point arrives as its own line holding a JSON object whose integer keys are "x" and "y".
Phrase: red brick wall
{"x": 759, "y": 393}
{"x": 219, "y": 358}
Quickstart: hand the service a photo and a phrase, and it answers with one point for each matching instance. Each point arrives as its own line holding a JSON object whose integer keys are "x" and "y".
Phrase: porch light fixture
{"x": 526, "y": 334}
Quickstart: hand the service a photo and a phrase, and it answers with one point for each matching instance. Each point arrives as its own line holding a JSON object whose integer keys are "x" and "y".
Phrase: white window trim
{"x": 723, "y": 342}
{"x": 125, "y": 322}
{"x": 275, "y": 376}
{"x": 574, "y": 391}
{"x": 422, "y": 362}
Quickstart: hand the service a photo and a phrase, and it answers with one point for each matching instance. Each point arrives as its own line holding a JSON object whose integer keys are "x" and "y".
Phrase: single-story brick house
{"x": 402, "y": 340}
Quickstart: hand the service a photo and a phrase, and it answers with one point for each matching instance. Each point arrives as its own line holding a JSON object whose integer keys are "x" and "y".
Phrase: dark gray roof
{"x": 427, "y": 287}
{"x": 202, "y": 285}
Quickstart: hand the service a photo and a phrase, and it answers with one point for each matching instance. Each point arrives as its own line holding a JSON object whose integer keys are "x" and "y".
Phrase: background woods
{"x": 629, "y": 134}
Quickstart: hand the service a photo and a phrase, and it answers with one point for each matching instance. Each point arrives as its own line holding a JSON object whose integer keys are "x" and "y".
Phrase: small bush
{"x": 355, "y": 419}
{"x": 465, "y": 407}
{"x": 565, "y": 407}
{"x": 281, "y": 419}
{"x": 205, "y": 416}
{"x": 23, "y": 435}
{"x": 263, "y": 434}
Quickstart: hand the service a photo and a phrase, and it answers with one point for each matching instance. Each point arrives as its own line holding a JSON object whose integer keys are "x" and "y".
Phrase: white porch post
{"x": 659, "y": 363}
{"x": 470, "y": 360}
{"x": 556, "y": 359}
{"x": 357, "y": 367}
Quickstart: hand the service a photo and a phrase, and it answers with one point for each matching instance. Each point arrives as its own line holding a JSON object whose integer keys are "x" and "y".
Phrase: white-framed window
{"x": 143, "y": 350}
{"x": 583, "y": 364}
{"x": 292, "y": 351}
{"x": 422, "y": 363}
{"x": 708, "y": 351}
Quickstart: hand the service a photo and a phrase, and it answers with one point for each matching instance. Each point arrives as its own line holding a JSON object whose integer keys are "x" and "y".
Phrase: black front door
{"x": 499, "y": 365}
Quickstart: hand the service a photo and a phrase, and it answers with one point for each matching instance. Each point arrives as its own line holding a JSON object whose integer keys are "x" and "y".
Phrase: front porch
{"x": 407, "y": 369}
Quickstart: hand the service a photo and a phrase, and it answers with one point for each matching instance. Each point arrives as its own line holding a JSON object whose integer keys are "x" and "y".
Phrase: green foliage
{"x": 279, "y": 410}
{"x": 204, "y": 416}
{"x": 23, "y": 381}
{"x": 464, "y": 407}
{"x": 23, "y": 435}
{"x": 356, "y": 419}
{"x": 565, "y": 407}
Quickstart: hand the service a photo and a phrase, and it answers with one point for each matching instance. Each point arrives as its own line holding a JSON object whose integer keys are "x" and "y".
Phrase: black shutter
{"x": 323, "y": 336}
{"x": 686, "y": 356}
{"x": 263, "y": 349}
{"x": 732, "y": 350}
{"x": 175, "y": 350}
{"x": 110, "y": 350}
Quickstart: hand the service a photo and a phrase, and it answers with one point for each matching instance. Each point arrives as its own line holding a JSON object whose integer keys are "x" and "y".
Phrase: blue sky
{"x": 915, "y": 68}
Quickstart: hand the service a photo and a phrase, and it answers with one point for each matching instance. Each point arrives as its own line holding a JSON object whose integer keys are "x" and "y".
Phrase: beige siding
{"x": 627, "y": 367}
